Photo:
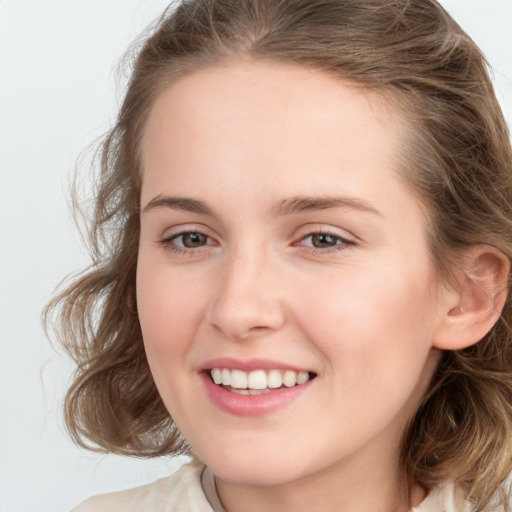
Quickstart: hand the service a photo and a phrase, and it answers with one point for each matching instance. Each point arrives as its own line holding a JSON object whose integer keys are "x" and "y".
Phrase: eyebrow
{"x": 290, "y": 206}
{"x": 179, "y": 203}
{"x": 302, "y": 204}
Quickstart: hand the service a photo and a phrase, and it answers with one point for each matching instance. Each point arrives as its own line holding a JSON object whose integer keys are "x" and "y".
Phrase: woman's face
{"x": 278, "y": 242}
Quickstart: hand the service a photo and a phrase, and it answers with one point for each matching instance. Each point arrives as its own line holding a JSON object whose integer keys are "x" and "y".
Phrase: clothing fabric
{"x": 192, "y": 489}
{"x": 180, "y": 492}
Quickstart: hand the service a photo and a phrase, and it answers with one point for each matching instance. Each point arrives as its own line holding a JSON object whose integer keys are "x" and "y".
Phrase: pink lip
{"x": 252, "y": 405}
{"x": 249, "y": 365}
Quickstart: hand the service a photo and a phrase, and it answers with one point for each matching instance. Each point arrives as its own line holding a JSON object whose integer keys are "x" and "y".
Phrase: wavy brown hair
{"x": 458, "y": 160}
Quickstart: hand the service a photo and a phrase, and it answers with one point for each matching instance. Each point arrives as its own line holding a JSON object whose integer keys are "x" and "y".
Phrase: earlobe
{"x": 476, "y": 301}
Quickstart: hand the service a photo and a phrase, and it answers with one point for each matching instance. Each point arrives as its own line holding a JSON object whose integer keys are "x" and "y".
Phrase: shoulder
{"x": 180, "y": 491}
{"x": 502, "y": 502}
{"x": 449, "y": 498}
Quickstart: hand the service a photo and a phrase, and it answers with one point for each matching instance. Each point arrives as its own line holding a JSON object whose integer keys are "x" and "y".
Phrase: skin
{"x": 363, "y": 311}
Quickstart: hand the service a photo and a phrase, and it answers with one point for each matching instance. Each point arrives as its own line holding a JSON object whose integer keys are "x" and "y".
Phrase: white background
{"x": 58, "y": 92}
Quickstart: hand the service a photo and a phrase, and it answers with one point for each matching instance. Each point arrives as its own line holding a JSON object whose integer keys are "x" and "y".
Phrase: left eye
{"x": 323, "y": 240}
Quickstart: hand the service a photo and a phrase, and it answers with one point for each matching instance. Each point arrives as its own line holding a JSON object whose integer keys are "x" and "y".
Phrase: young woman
{"x": 302, "y": 245}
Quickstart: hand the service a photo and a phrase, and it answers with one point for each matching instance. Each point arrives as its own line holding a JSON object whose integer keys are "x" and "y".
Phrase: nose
{"x": 247, "y": 300}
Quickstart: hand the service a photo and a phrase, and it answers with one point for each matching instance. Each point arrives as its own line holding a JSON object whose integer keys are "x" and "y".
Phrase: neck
{"x": 333, "y": 490}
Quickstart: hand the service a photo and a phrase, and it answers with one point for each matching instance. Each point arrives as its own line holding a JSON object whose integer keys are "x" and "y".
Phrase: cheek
{"x": 168, "y": 312}
{"x": 169, "y": 315}
{"x": 369, "y": 323}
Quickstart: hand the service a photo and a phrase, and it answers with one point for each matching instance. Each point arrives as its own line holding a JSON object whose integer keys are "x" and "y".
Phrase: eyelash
{"x": 341, "y": 244}
{"x": 169, "y": 243}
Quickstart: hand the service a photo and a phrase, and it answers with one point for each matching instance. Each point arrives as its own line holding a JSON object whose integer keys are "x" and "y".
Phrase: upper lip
{"x": 249, "y": 365}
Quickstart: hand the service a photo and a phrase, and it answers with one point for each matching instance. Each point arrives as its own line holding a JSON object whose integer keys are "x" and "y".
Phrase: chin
{"x": 260, "y": 470}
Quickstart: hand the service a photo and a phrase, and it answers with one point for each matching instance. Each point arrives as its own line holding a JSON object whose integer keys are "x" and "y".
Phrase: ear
{"x": 475, "y": 303}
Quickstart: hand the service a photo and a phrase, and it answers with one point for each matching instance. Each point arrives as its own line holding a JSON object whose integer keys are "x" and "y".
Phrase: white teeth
{"x": 257, "y": 381}
{"x": 217, "y": 376}
{"x": 238, "y": 379}
{"x": 302, "y": 377}
{"x": 274, "y": 379}
{"x": 226, "y": 377}
{"x": 289, "y": 378}
{"x": 240, "y": 391}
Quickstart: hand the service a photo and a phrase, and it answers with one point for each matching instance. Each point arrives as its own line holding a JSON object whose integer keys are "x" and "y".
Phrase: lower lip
{"x": 252, "y": 405}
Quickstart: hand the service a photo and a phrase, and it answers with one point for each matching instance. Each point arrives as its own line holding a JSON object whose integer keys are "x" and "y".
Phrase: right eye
{"x": 186, "y": 241}
{"x": 190, "y": 240}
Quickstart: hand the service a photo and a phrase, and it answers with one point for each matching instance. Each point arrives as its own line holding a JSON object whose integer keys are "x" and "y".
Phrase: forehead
{"x": 266, "y": 93}
{"x": 255, "y": 120}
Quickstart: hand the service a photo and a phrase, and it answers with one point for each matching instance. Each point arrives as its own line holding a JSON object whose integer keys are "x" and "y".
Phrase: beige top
{"x": 192, "y": 489}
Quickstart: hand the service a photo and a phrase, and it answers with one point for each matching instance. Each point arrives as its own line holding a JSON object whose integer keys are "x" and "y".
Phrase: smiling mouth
{"x": 258, "y": 382}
